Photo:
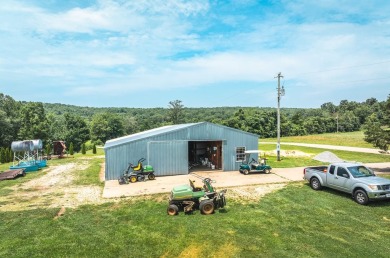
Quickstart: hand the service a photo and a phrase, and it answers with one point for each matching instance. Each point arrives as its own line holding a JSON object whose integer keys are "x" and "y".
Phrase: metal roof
{"x": 161, "y": 130}
{"x": 146, "y": 134}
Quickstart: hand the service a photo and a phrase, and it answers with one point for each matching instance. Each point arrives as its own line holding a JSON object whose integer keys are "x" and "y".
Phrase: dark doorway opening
{"x": 204, "y": 155}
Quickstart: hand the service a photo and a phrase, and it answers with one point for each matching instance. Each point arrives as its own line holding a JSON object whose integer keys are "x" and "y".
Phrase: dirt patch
{"x": 102, "y": 173}
{"x": 252, "y": 193}
{"x": 52, "y": 190}
{"x": 56, "y": 189}
{"x": 288, "y": 153}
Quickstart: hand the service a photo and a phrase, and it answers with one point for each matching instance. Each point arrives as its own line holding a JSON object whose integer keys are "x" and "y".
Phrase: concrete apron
{"x": 164, "y": 184}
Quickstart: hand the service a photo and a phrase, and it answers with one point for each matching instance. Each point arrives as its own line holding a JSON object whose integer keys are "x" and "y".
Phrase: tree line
{"x": 94, "y": 126}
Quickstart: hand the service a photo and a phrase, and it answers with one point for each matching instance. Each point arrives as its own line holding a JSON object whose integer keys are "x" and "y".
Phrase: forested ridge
{"x": 20, "y": 120}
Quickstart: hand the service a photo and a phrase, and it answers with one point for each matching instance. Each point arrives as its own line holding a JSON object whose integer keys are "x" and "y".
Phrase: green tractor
{"x": 253, "y": 165}
{"x": 187, "y": 198}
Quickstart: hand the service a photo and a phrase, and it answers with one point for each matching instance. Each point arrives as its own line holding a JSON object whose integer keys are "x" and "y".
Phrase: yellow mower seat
{"x": 138, "y": 167}
{"x": 196, "y": 188}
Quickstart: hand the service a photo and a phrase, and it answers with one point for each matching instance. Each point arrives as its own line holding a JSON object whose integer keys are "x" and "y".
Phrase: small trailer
{"x": 12, "y": 174}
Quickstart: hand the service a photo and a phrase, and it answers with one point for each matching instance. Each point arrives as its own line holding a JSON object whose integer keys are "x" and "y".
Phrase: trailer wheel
{"x": 172, "y": 210}
{"x": 133, "y": 179}
{"x": 206, "y": 207}
{"x": 245, "y": 171}
{"x": 315, "y": 184}
{"x": 151, "y": 176}
{"x": 361, "y": 197}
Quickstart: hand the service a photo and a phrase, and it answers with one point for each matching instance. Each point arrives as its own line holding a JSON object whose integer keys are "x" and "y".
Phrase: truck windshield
{"x": 360, "y": 171}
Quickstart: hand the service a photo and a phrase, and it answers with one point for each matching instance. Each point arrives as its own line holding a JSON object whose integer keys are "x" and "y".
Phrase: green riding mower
{"x": 188, "y": 198}
{"x": 137, "y": 173}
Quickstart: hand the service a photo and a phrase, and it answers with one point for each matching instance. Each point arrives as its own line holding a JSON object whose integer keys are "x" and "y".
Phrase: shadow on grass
{"x": 223, "y": 211}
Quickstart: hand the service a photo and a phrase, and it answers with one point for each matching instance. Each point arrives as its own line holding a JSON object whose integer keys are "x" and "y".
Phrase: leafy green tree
{"x": 9, "y": 120}
{"x": 2, "y": 155}
{"x": 34, "y": 124}
{"x": 94, "y": 149}
{"x": 48, "y": 148}
{"x": 106, "y": 126}
{"x": 83, "y": 149}
{"x": 6, "y": 155}
{"x": 57, "y": 127}
{"x": 71, "y": 149}
{"x": 175, "y": 111}
{"x": 130, "y": 125}
{"x": 77, "y": 131}
{"x": 377, "y": 134}
{"x": 11, "y": 155}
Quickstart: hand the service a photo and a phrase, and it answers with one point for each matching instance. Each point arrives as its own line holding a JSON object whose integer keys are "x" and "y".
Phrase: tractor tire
{"x": 222, "y": 201}
{"x": 206, "y": 207}
{"x": 172, "y": 210}
{"x": 151, "y": 176}
{"x": 133, "y": 179}
{"x": 245, "y": 171}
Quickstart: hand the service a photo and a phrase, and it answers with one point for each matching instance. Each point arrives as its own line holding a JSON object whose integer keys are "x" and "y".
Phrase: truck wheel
{"x": 151, "y": 176}
{"x": 245, "y": 171}
{"x": 206, "y": 207}
{"x": 361, "y": 197}
{"x": 133, "y": 179}
{"x": 267, "y": 171}
{"x": 172, "y": 210}
{"x": 315, "y": 184}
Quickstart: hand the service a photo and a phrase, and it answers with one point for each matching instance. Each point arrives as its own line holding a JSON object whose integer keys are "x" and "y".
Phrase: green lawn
{"x": 293, "y": 222}
{"x": 287, "y": 162}
{"x": 353, "y": 139}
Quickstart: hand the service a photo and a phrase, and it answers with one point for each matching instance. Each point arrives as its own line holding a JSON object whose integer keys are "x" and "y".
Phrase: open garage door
{"x": 200, "y": 152}
{"x": 168, "y": 157}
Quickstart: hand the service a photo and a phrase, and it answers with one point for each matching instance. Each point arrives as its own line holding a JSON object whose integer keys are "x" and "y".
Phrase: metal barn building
{"x": 170, "y": 149}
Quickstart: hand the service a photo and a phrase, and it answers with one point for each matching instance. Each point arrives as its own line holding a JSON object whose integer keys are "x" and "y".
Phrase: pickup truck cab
{"x": 353, "y": 178}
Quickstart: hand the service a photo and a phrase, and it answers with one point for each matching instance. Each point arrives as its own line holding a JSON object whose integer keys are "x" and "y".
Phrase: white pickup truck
{"x": 352, "y": 178}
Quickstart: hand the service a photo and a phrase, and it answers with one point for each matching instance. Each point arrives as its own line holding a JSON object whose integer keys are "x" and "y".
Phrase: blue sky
{"x": 143, "y": 53}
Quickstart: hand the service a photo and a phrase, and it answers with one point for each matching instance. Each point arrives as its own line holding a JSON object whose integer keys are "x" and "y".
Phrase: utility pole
{"x": 280, "y": 93}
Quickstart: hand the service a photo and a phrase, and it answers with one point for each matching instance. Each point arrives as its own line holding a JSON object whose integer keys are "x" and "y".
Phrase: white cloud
{"x": 117, "y": 46}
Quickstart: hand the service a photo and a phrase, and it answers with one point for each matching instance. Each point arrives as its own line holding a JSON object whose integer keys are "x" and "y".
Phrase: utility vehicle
{"x": 188, "y": 198}
{"x": 253, "y": 165}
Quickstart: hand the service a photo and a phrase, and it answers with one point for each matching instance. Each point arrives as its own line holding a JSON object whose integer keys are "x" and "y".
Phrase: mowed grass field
{"x": 292, "y": 222}
{"x": 353, "y": 139}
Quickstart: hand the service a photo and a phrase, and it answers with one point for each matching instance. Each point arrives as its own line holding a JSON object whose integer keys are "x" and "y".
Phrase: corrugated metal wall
{"x": 168, "y": 157}
{"x": 168, "y": 152}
